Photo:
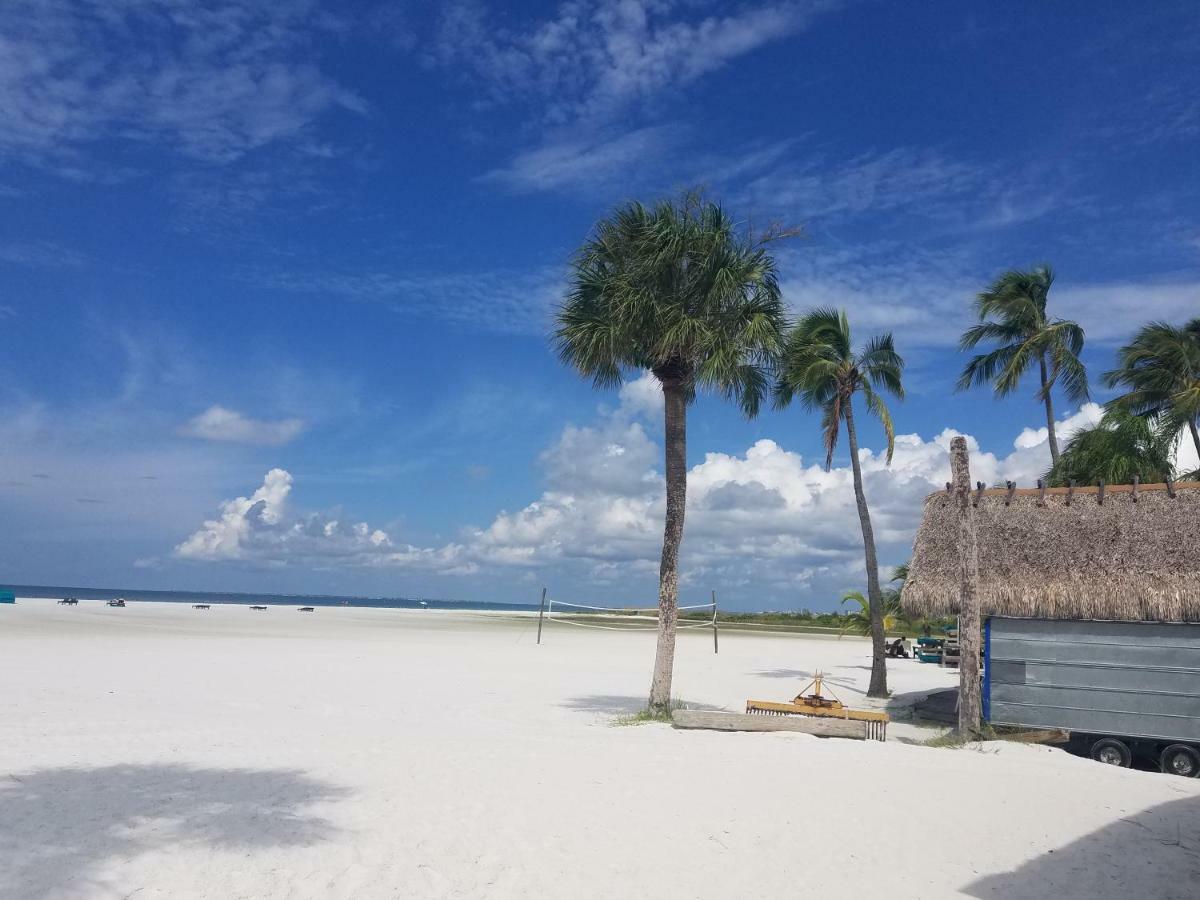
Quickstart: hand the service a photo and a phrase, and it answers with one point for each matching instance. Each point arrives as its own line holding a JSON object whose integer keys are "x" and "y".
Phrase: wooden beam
{"x": 1084, "y": 489}
{"x": 969, "y": 630}
{"x": 728, "y": 721}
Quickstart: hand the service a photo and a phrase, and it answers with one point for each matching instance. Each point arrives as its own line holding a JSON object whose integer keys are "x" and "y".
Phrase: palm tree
{"x": 1121, "y": 446}
{"x": 679, "y": 289}
{"x": 1161, "y": 369}
{"x": 819, "y": 366}
{"x": 1012, "y": 313}
{"x": 859, "y": 620}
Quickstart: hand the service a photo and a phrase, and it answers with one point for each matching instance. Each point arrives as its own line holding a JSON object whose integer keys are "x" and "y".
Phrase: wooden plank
{"x": 1086, "y": 489}
{"x": 727, "y": 721}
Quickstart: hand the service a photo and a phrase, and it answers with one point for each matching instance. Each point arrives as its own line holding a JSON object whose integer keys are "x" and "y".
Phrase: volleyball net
{"x": 624, "y": 618}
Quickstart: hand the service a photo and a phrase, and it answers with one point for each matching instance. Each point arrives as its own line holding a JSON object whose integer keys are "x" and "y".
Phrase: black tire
{"x": 1112, "y": 752}
{"x": 1180, "y": 759}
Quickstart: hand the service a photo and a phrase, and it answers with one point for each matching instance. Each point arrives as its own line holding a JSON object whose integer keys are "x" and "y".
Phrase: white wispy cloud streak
{"x": 499, "y": 301}
{"x": 230, "y": 426}
{"x": 593, "y": 60}
{"x": 216, "y": 80}
{"x": 583, "y": 164}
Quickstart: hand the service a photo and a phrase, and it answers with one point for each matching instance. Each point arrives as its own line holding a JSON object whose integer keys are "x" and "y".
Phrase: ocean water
{"x": 132, "y": 595}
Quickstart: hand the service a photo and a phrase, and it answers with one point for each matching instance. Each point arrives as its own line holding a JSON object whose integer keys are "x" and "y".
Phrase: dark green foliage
{"x": 680, "y": 289}
{"x": 1012, "y": 314}
{"x": 1121, "y": 446}
{"x": 1160, "y": 368}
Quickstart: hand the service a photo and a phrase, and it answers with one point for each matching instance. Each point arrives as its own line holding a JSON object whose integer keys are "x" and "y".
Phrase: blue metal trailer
{"x": 1123, "y": 690}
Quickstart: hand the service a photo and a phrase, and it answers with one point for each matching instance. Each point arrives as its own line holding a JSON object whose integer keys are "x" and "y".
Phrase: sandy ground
{"x": 156, "y": 751}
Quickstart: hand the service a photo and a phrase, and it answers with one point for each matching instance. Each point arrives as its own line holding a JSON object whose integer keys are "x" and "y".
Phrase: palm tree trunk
{"x": 878, "y": 685}
{"x": 1195, "y": 436}
{"x": 675, "y": 449}
{"x": 1049, "y": 413}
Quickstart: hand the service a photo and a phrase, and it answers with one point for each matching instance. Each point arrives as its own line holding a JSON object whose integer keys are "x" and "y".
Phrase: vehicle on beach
{"x": 1125, "y": 691}
{"x": 1090, "y": 606}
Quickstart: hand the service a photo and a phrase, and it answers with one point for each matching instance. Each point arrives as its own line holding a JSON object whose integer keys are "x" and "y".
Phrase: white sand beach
{"x": 156, "y": 751}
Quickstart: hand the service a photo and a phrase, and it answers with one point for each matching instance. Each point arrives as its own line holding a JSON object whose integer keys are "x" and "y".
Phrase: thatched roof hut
{"x": 1122, "y": 553}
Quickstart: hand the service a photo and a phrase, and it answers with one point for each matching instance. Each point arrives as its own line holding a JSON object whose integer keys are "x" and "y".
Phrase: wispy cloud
{"x": 230, "y": 426}
{"x": 40, "y": 254}
{"x": 216, "y": 81}
{"x": 503, "y": 301}
{"x": 593, "y": 60}
{"x": 577, "y": 164}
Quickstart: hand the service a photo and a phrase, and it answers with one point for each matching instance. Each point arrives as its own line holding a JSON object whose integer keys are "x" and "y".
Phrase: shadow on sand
{"x": 618, "y": 705}
{"x": 58, "y": 827}
{"x": 1155, "y": 853}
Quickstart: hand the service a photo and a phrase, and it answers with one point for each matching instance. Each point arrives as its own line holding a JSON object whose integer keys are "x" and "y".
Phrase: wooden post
{"x": 714, "y": 595}
{"x": 541, "y": 612}
{"x": 969, "y": 632}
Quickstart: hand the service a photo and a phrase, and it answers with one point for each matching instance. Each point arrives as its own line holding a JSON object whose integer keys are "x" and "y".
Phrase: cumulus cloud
{"x": 220, "y": 424}
{"x": 767, "y": 526}
{"x": 261, "y": 530}
{"x": 767, "y": 520}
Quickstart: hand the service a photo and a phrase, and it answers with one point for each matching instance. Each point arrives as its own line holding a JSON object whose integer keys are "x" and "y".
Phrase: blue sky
{"x": 276, "y": 277}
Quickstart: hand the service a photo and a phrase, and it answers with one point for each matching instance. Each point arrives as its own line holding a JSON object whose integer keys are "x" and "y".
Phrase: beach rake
{"x": 818, "y": 705}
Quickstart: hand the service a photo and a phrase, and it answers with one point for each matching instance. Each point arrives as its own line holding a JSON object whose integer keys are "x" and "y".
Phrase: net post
{"x": 541, "y": 613}
{"x": 714, "y": 622}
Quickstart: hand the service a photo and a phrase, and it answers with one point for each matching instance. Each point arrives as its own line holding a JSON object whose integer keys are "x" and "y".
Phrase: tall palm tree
{"x": 821, "y": 369}
{"x": 1121, "y": 446}
{"x": 1012, "y": 313}
{"x": 679, "y": 289}
{"x": 1161, "y": 369}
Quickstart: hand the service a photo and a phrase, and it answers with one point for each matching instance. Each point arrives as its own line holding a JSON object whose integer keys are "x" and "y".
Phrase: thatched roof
{"x": 1063, "y": 554}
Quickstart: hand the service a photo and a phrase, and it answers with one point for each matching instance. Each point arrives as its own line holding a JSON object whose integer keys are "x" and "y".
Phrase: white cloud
{"x": 260, "y": 530}
{"x": 581, "y": 164}
{"x": 216, "y": 80}
{"x": 220, "y": 424}
{"x": 766, "y": 521}
{"x": 766, "y": 526}
{"x": 39, "y": 254}
{"x": 507, "y": 302}
{"x": 592, "y": 60}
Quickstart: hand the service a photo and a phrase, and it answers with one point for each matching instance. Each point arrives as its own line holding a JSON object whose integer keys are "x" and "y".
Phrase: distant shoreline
{"x": 49, "y": 592}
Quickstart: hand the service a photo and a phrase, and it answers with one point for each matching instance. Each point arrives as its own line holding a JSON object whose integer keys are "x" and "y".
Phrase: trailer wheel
{"x": 1112, "y": 752}
{"x": 1180, "y": 759}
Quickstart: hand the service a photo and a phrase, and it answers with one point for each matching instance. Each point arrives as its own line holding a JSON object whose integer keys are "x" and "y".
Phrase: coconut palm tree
{"x": 1161, "y": 369}
{"x": 677, "y": 288}
{"x": 821, "y": 369}
{"x": 1121, "y": 446}
{"x": 1012, "y": 313}
{"x": 858, "y": 620}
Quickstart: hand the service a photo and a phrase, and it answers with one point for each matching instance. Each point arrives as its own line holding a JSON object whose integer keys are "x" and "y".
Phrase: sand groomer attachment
{"x": 820, "y": 706}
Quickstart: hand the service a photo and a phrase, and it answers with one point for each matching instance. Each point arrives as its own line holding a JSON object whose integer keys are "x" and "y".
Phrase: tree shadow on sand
{"x": 620, "y": 705}
{"x": 1155, "y": 853}
{"x": 58, "y": 827}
